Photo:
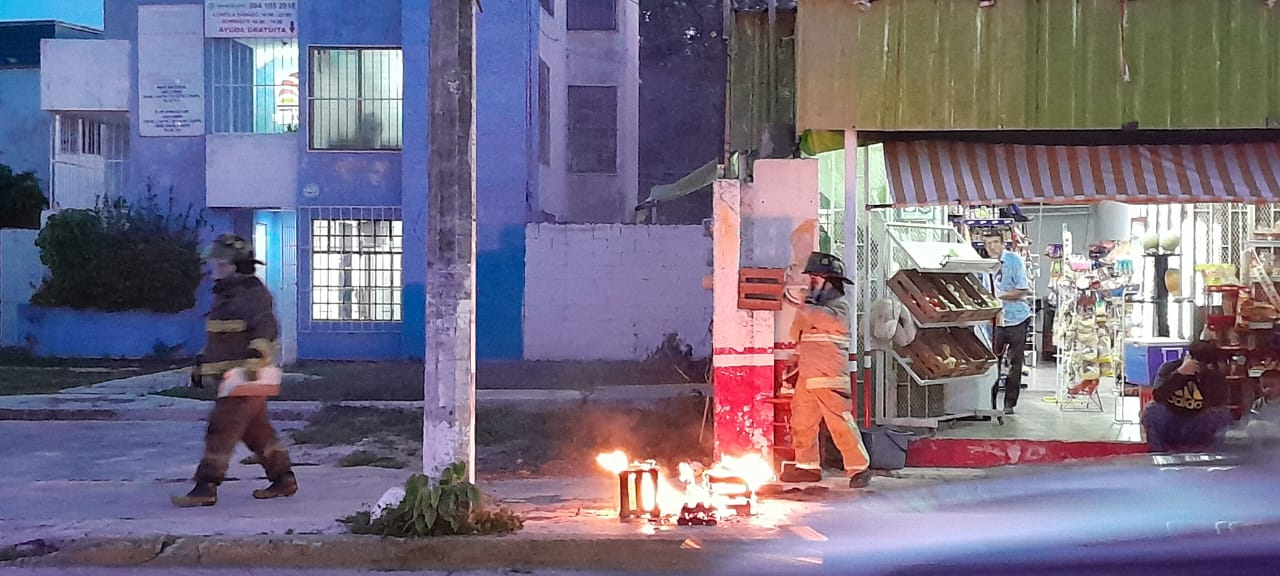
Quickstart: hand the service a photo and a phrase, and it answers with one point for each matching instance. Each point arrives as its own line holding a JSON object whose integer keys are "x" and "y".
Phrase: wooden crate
{"x": 920, "y": 295}
{"x": 973, "y": 358}
{"x": 922, "y": 292}
{"x": 760, "y": 288}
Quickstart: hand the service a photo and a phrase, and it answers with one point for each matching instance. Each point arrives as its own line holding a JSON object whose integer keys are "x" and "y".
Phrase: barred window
{"x": 591, "y": 14}
{"x": 593, "y": 129}
{"x": 253, "y": 85}
{"x": 356, "y": 98}
{"x": 356, "y": 270}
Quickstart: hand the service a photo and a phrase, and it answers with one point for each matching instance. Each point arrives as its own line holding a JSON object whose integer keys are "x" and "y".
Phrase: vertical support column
{"x": 781, "y": 210}
{"x": 742, "y": 356}
{"x": 863, "y": 387}
{"x": 449, "y": 389}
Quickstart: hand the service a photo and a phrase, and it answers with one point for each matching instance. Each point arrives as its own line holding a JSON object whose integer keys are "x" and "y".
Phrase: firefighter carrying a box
{"x": 824, "y": 390}
{"x": 239, "y": 355}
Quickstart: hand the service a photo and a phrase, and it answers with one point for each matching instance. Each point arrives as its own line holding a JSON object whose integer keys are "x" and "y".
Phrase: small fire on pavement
{"x": 702, "y": 496}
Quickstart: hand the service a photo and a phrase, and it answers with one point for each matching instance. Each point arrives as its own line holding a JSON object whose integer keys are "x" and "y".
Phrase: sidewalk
{"x": 134, "y": 399}
{"x": 89, "y": 472}
{"x": 99, "y": 491}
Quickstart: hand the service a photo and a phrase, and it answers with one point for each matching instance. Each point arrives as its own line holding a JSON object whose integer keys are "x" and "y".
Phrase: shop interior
{"x": 1117, "y": 290}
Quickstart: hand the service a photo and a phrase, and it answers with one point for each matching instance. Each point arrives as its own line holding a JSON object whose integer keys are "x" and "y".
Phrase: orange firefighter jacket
{"x": 821, "y": 333}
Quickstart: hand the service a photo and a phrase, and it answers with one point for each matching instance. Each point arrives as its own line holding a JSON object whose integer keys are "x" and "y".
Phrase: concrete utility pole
{"x": 449, "y": 413}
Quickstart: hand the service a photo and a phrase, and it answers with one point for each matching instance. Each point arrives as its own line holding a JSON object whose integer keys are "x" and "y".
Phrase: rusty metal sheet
{"x": 1037, "y": 64}
{"x": 761, "y": 77}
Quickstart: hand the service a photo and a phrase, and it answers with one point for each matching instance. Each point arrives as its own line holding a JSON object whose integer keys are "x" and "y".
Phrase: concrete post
{"x": 741, "y": 340}
{"x": 449, "y": 413}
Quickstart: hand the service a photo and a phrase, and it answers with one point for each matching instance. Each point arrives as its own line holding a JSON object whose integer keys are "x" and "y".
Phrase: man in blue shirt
{"x": 1012, "y": 288}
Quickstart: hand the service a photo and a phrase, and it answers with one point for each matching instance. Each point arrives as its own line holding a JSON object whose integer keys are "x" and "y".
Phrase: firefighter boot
{"x": 860, "y": 480}
{"x": 204, "y": 494}
{"x": 286, "y": 486}
{"x": 793, "y": 473}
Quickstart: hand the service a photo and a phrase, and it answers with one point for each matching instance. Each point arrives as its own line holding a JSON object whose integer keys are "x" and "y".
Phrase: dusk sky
{"x": 83, "y": 12}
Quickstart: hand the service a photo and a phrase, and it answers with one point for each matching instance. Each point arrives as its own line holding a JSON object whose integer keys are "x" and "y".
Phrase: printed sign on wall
{"x": 250, "y": 19}
{"x": 170, "y": 71}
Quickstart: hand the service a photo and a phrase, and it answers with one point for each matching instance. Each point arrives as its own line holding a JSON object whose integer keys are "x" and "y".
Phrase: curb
{"x": 650, "y": 553}
{"x": 295, "y": 410}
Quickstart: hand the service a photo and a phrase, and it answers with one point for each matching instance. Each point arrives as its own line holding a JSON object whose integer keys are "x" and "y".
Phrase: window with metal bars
{"x": 356, "y": 270}
{"x": 355, "y": 98}
{"x": 253, "y": 85}
{"x": 593, "y": 129}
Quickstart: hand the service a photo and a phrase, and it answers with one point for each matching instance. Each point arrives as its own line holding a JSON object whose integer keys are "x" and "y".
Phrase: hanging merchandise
{"x": 1091, "y": 318}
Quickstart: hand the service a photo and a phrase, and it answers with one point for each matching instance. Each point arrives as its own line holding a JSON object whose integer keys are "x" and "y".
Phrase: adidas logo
{"x": 1188, "y": 398}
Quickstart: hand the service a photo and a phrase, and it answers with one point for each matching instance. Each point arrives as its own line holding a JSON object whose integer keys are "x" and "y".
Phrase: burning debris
{"x": 702, "y": 497}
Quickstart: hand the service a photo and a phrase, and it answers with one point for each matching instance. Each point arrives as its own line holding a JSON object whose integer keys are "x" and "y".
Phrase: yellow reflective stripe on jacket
{"x": 225, "y": 326}
{"x": 833, "y": 338}
{"x": 828, "y": 383}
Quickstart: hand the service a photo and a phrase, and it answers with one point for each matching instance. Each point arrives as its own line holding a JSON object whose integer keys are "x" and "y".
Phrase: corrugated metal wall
{"x": 762, "y": 77}
{"x": 1037, "y": 64}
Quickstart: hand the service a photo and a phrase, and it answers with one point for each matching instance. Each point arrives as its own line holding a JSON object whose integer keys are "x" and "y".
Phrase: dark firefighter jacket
{"x": 241, "y": 328}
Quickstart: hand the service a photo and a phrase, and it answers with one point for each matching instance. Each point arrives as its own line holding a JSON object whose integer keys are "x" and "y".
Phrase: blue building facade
{"x": 313, "y": 140}
{"x": 24, "y": 127}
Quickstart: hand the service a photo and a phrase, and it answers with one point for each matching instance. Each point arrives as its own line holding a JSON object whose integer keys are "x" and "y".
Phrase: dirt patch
{"x": 525, "y": 441}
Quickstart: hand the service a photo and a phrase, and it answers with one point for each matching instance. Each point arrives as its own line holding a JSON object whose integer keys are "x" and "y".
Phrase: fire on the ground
{"x": 699, "y": 496}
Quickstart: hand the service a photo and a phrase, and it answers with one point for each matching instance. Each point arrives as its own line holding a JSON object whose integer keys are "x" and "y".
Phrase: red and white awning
{"x": 926, "y": 173}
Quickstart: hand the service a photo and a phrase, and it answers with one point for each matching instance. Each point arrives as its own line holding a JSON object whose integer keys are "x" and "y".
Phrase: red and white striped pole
{"x": 741, "y": 340}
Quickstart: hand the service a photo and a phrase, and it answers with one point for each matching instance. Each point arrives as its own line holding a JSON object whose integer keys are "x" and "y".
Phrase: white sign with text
{"x": 250, "y": 19}
{"x": 170, "y": 71}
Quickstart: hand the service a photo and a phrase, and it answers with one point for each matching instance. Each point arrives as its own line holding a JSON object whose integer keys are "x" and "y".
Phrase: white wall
{"x": 592, "y": 58}
{"x": 613, "y": 291}
{"x": 20, "y": 276}
{"x": 251, "y": 170}
{"x": 84, "y": 75}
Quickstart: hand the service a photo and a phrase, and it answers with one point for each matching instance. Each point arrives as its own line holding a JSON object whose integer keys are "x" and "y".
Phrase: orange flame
{"x": 752, "y": 469}
{"x": 614, "y": 462}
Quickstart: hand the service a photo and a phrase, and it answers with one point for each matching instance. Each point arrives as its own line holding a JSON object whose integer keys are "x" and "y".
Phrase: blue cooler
{"x": 1143, "y": 357}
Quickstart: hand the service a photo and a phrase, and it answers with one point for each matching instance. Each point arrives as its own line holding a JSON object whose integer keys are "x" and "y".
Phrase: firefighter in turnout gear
{"x": 239, "y": 357}
{"x": 823, "y": 390}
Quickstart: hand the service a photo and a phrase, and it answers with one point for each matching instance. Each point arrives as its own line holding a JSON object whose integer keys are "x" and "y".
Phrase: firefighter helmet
{"x": 828, "y": 266}
{"x": 232, "y": 248}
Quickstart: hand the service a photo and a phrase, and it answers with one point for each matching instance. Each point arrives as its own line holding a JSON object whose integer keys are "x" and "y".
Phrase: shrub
{"x": 120, "y": 256}
{"x": 450, "y": 507}
{"x": 20, "y": 199}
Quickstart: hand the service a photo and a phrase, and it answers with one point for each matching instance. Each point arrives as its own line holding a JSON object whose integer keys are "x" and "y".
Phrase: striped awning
{"x": 926, "y": 173}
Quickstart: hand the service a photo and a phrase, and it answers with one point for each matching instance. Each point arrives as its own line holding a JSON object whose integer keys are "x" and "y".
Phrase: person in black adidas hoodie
{"x": 1189, "y": 410}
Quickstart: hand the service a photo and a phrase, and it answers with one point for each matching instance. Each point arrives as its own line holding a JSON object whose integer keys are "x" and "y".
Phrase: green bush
{"x": 450, "y": 507}
{"x": 20, "y": 199}
{"x": 121, "y": 256}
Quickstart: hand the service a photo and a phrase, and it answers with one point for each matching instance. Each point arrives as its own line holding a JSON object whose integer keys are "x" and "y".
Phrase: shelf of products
{"x": 945, "y": 306}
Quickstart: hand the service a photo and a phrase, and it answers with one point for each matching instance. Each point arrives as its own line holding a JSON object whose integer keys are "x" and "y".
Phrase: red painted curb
{"x": 986, "y": 453}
